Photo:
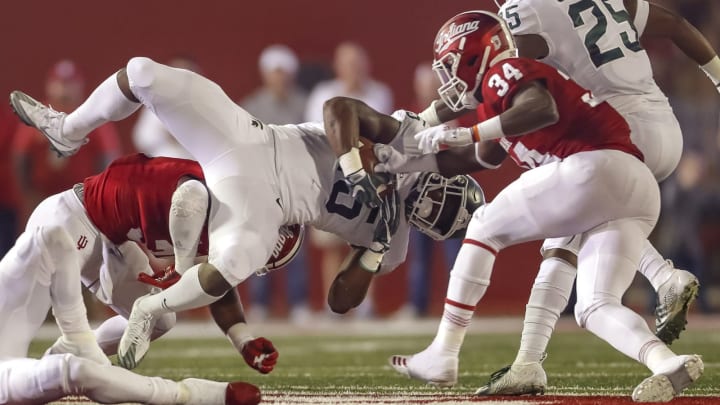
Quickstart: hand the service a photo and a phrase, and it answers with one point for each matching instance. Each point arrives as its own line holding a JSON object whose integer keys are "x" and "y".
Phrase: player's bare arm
{"x": 346, "y": 119}
{"x": 664, "y": 23}
{"x": 350, "y": 286}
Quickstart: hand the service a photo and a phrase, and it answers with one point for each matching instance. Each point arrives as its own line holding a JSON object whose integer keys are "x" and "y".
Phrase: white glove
{"x": 392, "y": 161}
{"x": 429, "y": 140}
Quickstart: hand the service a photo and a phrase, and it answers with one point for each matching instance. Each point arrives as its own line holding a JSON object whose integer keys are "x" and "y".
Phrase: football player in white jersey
{"x": 596, "y": 44}
{"x": 545, "y": 122}
{"x": 263, "y": 176}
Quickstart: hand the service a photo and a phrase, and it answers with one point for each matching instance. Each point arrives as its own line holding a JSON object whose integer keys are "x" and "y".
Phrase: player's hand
{"x": 394, "y": 162}
{"x": 160, "y": 278}
{"x": 260, "y": 354}
{"x": 363, "y": 187}
{"x": 388, "y": 223}
{"x": 429, "y": 140}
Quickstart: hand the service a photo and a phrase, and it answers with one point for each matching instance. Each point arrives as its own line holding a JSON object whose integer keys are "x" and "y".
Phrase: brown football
{"x": 369, "y": 160}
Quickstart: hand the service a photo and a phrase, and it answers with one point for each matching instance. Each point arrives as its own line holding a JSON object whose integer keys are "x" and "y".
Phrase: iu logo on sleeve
{"x": 82, "y": 242}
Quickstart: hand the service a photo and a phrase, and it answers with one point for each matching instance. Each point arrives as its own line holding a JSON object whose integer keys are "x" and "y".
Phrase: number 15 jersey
{"x": 595, "y": 42}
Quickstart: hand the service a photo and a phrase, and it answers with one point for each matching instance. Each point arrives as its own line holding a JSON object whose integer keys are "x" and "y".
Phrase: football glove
{"x": 260, "y": 354}
{"x": 160, "y": 278}
{"x": 363, "y": 187}
{"x": 429, "y": 140}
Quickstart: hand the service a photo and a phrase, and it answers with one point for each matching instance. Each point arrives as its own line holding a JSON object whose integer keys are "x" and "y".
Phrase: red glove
{"x": 260, "y": 354}
{"x": 160, "y": 278}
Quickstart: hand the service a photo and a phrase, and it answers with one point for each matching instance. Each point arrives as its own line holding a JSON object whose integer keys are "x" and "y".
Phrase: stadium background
{"x": 226, "y": 38}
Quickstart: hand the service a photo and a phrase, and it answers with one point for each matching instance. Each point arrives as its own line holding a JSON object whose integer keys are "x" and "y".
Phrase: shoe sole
{"x": 659, "y": 388}
{"x": 15, "y": 98}
{"x": 529, "y": 390}
{"x": 128, "y": 361}
{"x": 670, "y": 331}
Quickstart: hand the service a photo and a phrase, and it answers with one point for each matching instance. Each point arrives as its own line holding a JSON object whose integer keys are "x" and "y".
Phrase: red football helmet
{"x": 465, "y": 47}
{"x": 287, "y": 246}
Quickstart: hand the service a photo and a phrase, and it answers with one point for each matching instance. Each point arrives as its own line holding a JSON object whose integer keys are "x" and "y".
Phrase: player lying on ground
{"x": 260, "y": 177}
{"x": 43, "y": 270}
{"x": 586, "y": 178}
{"x": 623, "y": 79}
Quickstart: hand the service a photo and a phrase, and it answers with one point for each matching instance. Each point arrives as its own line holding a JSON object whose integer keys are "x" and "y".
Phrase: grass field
{"x": 334, "y": 369}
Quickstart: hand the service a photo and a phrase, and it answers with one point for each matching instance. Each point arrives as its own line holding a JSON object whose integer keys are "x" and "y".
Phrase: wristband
{"x": 430, "y": 116}
{"x": 712, "y": 70}
{"x": 239, "y": 334}
{"x": 350, "y": 161}
{"x": 370, "y": 260}
{"x": 488, "y": 130}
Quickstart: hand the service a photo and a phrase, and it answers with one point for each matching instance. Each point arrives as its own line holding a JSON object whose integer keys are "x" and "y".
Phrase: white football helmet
{"x": 442, "y": 207}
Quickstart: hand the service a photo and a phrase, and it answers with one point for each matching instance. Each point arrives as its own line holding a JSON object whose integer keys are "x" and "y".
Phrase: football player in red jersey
{"x": 92, "y": 234}
{"x": 586, "y": 178}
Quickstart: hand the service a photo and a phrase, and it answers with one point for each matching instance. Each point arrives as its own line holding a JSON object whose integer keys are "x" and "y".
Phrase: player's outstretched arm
{"x": 259, "y": 353}
{"x": 351, "y": 284}
{"x": 664, "y": 23}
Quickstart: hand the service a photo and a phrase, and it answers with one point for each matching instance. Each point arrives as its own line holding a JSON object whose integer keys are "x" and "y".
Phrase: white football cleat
{"x": 135, "y": 341}
{"x": 516, "y": 379}
{"x": 681, "y": 371}
{"x": 674, "y": 299}
{"x": 48, "y": 121}
{"x": 434, "y": 369}
{"x": 80, "y": 344}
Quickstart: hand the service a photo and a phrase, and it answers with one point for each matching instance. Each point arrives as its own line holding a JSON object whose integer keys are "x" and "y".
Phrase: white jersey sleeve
{"x": 410, "y": 124}
{"x": 595, "y": 42}
{"x": 642, "y": 12}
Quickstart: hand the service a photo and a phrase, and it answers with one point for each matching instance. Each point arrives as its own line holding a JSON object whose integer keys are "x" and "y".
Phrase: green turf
{"x": 577, "y": 363}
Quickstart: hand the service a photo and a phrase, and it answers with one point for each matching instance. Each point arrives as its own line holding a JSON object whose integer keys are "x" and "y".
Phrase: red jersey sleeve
{"x": 502, "y": 81}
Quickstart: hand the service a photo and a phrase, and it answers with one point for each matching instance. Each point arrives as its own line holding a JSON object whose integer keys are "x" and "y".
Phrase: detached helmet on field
{"x": 442, "y": 207}
{"x": 465, "y": 47}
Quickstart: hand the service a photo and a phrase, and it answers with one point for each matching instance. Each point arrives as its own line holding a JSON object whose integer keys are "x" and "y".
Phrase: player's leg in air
{"x": 237, "y": 156}
{"x": 607, "y": 260}
{"x": 39, "y": 381}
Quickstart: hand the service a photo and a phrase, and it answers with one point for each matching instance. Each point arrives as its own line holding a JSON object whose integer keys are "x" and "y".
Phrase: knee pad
{"x": 141, "y": 71}
{"x": 190, "y": 198}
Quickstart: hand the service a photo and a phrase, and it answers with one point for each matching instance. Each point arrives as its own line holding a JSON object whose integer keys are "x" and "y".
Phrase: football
{"x": 369, "y": 160}
{"x": 290, "y": 238}
{"x": 367, "y": 155}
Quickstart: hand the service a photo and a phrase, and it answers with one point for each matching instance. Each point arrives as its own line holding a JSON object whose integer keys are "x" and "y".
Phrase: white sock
{"x": 106, "y": 103}
{"x": 656, "y": 355}
{"x": 548, "y": 298}
{"x": 654, "y": 267}
{"x": 186, "y": 294}
{"x": 469, "y": 280}
{"x": 109, "y": 384}
{"x": 625, "y": 330}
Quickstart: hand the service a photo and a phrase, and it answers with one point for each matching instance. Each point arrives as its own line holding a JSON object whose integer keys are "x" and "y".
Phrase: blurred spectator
{"x": 425, "y": 85}
{"x": 352, "y": 79}
{"x": 150, "y": 135}
{"x": 10, "y": 197}
{"x": 40, "y": 172}
{"x": 279, "y": 101}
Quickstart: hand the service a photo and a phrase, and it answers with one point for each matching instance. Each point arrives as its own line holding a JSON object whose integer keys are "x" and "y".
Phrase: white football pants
{"x": 236, "y": 153}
